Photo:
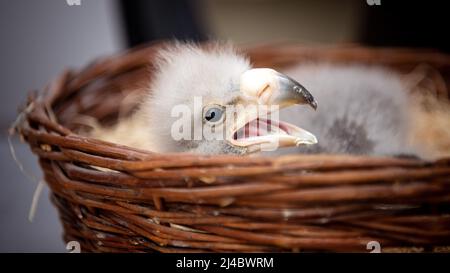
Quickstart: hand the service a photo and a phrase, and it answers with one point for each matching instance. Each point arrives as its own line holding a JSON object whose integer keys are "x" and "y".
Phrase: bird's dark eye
{"x": 213, "y": 114}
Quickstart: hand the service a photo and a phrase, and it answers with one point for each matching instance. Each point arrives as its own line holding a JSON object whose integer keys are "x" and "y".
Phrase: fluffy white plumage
{"x": 362, "y": 110}
{"x": 183, "y": 71}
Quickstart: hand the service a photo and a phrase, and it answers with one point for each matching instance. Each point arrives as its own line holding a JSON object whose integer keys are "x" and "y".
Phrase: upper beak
{"x": 273, "y": 88}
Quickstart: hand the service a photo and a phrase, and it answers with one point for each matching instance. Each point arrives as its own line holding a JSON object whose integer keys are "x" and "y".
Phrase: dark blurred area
{"x": 407, "y": 24}
{"x": 377, "y": 23}
{"x": 42, "y": 38}
{"x": 154, "y": 20}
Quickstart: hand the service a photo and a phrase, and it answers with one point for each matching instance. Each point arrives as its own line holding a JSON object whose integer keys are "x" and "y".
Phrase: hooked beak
{"x": 273, "y": 88}
{"x": 257, "y": 130}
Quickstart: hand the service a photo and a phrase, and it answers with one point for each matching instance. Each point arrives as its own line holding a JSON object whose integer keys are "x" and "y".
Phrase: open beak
{"x": 255, "y": 128}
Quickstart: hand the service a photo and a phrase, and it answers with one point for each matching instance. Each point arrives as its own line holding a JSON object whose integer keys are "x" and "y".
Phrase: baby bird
{"x": 197, "y": 88}
{"x": 362, "y": 110}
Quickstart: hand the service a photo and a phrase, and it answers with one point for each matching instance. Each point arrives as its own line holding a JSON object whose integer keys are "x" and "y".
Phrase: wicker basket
{"x": 195, "y": 203}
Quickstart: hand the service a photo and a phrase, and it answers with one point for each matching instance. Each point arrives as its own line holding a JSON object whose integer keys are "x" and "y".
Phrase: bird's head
{"x": 212, "y": 101}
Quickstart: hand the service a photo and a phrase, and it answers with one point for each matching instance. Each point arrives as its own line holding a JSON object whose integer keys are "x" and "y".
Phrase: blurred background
{"x": 41, "y": 38}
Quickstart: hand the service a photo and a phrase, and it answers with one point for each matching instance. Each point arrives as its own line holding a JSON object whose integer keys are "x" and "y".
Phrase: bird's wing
{"x": 362, "y": 110}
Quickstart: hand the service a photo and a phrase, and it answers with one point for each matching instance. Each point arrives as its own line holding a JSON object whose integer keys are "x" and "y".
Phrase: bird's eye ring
{"x": 213, "y": 114}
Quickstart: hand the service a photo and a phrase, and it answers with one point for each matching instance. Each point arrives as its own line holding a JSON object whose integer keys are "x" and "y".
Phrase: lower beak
{"x": 263, "y": 86}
